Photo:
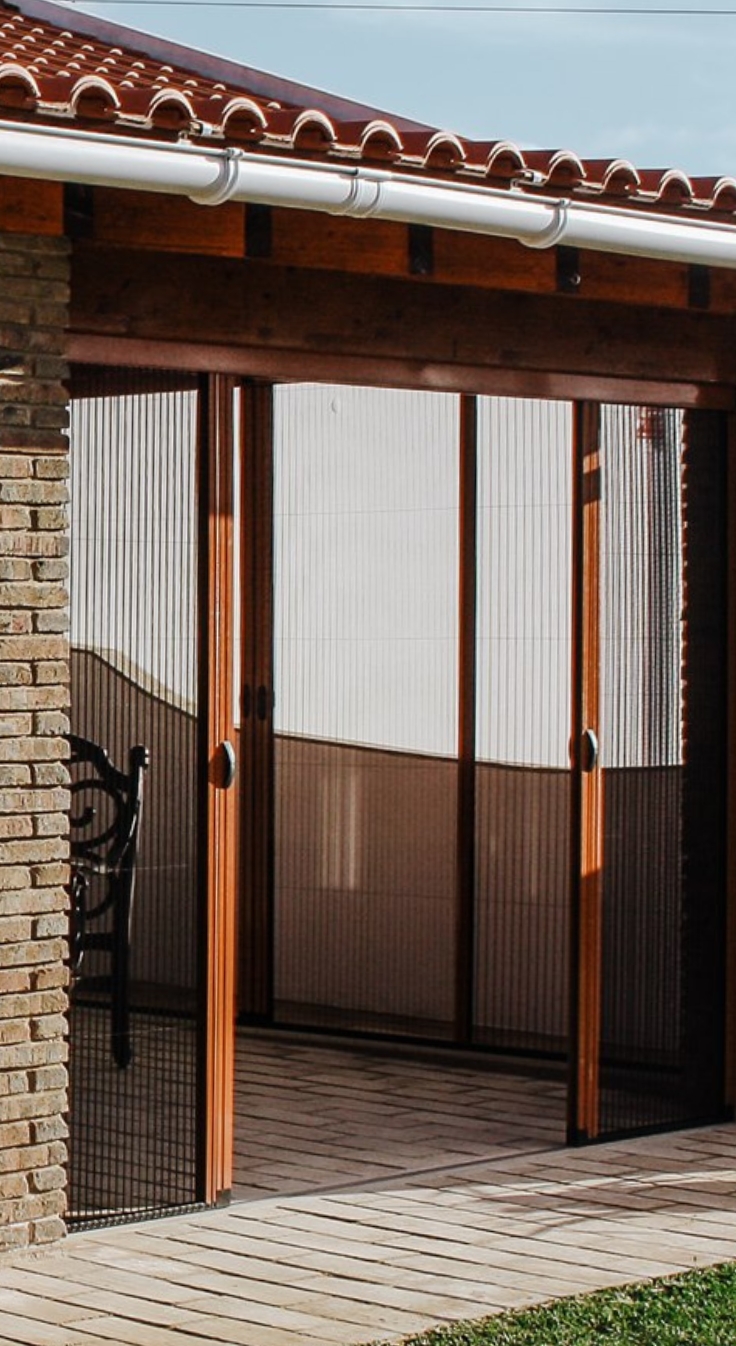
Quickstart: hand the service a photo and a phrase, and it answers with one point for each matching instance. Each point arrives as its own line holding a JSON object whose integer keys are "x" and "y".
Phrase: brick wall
{"x": 33, "y": 720}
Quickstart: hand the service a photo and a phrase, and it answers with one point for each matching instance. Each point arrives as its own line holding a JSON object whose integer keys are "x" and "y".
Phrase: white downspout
{"x": 211, "y": 176}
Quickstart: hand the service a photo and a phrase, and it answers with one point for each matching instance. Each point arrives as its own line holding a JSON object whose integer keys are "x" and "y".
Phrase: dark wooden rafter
{"x": 420, "y": 241}
{"x": 258, "y": 231}
{"x": 699, "y": 286}
{"x": 568, "y": 270}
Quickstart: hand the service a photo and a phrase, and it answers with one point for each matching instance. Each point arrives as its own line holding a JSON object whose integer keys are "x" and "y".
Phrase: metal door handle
{"x": 231, "y": 764}
{"x": 588, "y": 750}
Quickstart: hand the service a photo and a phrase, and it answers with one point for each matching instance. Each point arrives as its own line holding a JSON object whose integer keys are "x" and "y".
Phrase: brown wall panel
{"x": 152, "y": 220}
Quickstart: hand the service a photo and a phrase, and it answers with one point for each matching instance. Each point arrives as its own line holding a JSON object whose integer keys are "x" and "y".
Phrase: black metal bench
{"x": 104, "y": 843}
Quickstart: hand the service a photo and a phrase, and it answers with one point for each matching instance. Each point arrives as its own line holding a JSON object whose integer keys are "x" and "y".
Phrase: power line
{"x": 422, "y": 8}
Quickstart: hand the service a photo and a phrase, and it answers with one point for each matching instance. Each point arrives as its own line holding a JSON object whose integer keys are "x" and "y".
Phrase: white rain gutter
{"x": 210, "y": 176}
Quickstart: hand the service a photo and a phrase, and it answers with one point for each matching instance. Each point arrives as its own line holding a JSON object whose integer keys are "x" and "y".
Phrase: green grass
{"x": 695, "y": 1309}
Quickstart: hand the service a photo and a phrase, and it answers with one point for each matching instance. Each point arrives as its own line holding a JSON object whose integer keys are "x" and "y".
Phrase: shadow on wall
{"x": 112, "y": 710}
{"x": 366, "y": 876}
{"x": 365, "y": 866}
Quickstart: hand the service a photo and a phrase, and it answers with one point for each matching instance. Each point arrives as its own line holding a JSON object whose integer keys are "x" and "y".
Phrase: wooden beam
{"x": 471, "y": 259}
{"x": 492, "y": 263}
{"x": 285, "y": 365}
{"x": 153, "y": 221}
{"x": 29, "y": 207}
{"x": 633, "y": 280}
{"x": 315, "y": 241}
{"x": 264, "y": 308}
{"x": 325, "y": 242}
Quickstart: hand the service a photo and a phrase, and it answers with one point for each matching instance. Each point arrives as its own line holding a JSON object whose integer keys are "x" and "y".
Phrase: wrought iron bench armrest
{"x": 106, "y": 851}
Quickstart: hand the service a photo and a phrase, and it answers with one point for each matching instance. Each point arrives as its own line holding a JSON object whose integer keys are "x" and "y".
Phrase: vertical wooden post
{"x": 465, "y": 926}
{"x": 255, "y": 979}
{"x": 730, "y": 1062}
{"x": 587, "y": 782}
{"x": 707, "y": 776}
{"x": 217, "y": 815}
{"x": 464, "y": 979}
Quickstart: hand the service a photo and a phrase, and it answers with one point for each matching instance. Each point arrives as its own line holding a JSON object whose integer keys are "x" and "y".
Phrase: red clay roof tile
{"x": 57, "y": 66}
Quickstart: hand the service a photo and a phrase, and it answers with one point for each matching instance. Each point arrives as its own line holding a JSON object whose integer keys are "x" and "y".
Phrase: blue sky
{"x": 658, "y": 90}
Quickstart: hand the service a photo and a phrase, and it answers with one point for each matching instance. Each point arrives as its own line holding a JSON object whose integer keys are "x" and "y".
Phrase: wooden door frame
{"x": 586, "y": 813}
{"x": 215, "y": 810}
{"x": 466, "y": 749}
{"x": 730, "y": 1033}
{"x": 256, "y": 880}
{"x": 586, "y": 786}
{"x": 216, "y": 686}
{"x": 218, "y": 821}
{"x": 257, "y": 825}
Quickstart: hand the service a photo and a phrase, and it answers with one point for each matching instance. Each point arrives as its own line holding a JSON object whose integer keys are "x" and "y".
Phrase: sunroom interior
{"x": 468, "y": 658}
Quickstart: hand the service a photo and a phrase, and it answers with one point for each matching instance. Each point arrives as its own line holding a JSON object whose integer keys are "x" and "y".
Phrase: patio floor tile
{"x": 363, "y": 1213}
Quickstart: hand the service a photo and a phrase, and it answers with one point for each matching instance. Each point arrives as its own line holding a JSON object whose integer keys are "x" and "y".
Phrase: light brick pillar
{"x": 34, "y": 678}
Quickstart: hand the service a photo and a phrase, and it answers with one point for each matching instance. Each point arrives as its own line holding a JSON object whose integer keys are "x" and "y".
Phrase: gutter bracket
{"x": 226, "y": 182}
{"x": 555, "y": 230}
{"x": 363, "y": 199}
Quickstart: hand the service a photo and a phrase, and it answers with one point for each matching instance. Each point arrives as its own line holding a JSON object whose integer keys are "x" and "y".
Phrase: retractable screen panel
{"x": 662, "y": 756}
{"x": 365, "y": 714}
{"x": 133, "y": 1019}
{"x": 523, "y": 695}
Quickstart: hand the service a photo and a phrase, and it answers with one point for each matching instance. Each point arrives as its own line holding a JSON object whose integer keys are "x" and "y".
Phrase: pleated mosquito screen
{"x": 133, "y": 1112}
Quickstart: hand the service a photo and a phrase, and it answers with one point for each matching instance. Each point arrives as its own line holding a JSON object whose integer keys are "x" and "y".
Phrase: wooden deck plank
{"x": 457, "y": 1223}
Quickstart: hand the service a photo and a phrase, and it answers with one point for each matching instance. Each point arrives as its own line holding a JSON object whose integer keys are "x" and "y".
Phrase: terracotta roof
{"x": 59, "y": 67}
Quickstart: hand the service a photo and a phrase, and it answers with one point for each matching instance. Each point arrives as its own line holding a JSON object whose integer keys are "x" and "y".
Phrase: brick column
{"x": 34, "y": 678}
